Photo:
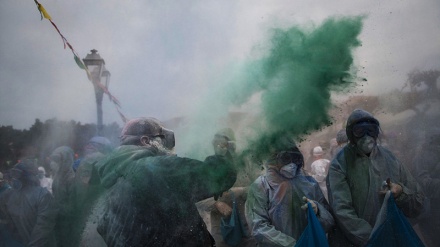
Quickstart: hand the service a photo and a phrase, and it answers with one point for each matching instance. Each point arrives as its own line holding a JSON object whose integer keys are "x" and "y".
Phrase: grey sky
{"x": 163, "y": 55}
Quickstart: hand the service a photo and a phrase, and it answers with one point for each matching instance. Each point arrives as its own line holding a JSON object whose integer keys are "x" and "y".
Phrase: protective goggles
{"x": 361, "y": 129}
{"x": 286, "y": 157}
{"x": 166, "y": 135}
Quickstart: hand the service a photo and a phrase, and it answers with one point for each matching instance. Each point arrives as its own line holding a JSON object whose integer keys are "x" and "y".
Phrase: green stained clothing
{"x": 150, "y": 197}
{"x": 354, "y": 182}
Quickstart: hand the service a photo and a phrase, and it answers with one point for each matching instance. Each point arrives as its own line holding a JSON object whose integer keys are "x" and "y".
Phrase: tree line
{"x": 42, "y": 138}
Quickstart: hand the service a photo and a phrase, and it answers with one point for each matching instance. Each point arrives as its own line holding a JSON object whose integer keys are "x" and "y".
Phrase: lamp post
{"x": 96, "y": 66}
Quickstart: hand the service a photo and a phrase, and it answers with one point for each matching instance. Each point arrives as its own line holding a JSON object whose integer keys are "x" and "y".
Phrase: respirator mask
{"x": 292, "y": 161}
{"x": 366, "y": 135}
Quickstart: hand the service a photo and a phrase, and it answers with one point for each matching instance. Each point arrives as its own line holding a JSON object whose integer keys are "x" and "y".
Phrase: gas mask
{"x": 289, "y": 170}
{"x": 168, "y": 139}
{"x": 222, "y": 146}
{"x": 365, "y": 134}
{"x": 292, "y": 161}
{"x": 366, "y": 144}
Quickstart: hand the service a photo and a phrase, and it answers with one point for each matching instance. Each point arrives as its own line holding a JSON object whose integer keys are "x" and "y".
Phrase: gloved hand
{"x": 314, "y": 206}
{"x": 223, "y": 208}
{"x": 395, "y": 188}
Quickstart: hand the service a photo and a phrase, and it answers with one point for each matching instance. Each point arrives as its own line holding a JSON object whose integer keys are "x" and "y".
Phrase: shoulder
{"x": 259, "y": 184}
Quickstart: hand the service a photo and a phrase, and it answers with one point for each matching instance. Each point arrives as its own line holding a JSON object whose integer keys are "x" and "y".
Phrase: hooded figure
{"x": 356, "y": 177}
{"x": 151, "y": 193}
{"x": 86, "y": 186}
{"x": 62, "y": 188}
{"x": 275, "y": 200}
{"x": 28, "y": 209}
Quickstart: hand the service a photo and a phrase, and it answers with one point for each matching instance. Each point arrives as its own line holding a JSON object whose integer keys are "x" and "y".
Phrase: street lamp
{"x": 96, "y": 66}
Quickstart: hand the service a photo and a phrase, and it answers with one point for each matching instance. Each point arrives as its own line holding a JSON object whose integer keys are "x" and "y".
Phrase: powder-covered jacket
{"x": 150, "y": 197}
{"x": 273, "y": 207}
{"x": 354, "y": 182}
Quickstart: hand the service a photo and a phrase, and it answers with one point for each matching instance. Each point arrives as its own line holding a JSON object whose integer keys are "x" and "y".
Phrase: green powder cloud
{"x": 293, "y": 76}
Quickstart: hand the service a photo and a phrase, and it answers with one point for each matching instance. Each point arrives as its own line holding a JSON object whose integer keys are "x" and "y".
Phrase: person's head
{"x": 147, "y": 132}
{"x": 23, "y": 174}
{"x": 224, "y": 142}
{"x": 98, "y": 144}
{"x": 341, "y": 137}
{"x": 286, "y": 156}
{"x": 61, "y": 160}
{"x": 362, "y": 130}
{"x": 318, "y": 152}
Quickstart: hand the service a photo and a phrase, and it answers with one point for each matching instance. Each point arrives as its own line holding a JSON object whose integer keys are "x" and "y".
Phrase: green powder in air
{"x": 288, "y": 86}
{"x": 296, "y": 78}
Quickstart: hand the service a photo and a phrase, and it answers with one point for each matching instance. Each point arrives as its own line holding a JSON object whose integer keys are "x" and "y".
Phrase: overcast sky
{"x": 163, "y": 55}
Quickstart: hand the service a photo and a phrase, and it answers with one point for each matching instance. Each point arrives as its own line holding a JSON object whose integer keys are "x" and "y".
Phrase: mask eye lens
{"x": 373, "y": 131}
{"x": 288, "y": 157}
{"x": 360, "y": 130}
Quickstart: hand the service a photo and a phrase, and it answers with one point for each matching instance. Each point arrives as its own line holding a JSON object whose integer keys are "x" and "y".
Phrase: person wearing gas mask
{"x": 150, "y": 193}
{"x": 28, "y": 209}
{"x": 61, "y": 161}
{"x": 276, "y": 200}
{"x": 356, "y": 178}
{"x": 220, "y": 207}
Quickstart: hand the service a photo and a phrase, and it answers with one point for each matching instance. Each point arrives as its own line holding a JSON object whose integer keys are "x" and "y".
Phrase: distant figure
{"x": 62, "y": 187}
{"x": 28, "y": 209}
{"x": 45, "y": 182}
{"x": 333, "y": 146}
{"x": 341, "y": 140}
{"x": 319, "y": 169}
{"x": 221, "y": 207}
{"x": 87, "y": 189}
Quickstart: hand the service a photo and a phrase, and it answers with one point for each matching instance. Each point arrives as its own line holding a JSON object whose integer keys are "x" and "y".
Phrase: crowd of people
{"x": 142, "y": 194}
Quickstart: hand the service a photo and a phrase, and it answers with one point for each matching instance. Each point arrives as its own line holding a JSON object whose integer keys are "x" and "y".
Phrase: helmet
{"x": 356, "y": 117}
{"x": 150, "y": 127}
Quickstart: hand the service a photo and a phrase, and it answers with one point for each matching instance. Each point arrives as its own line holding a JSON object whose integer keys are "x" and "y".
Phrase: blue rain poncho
{"x": 273, "y": 208}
